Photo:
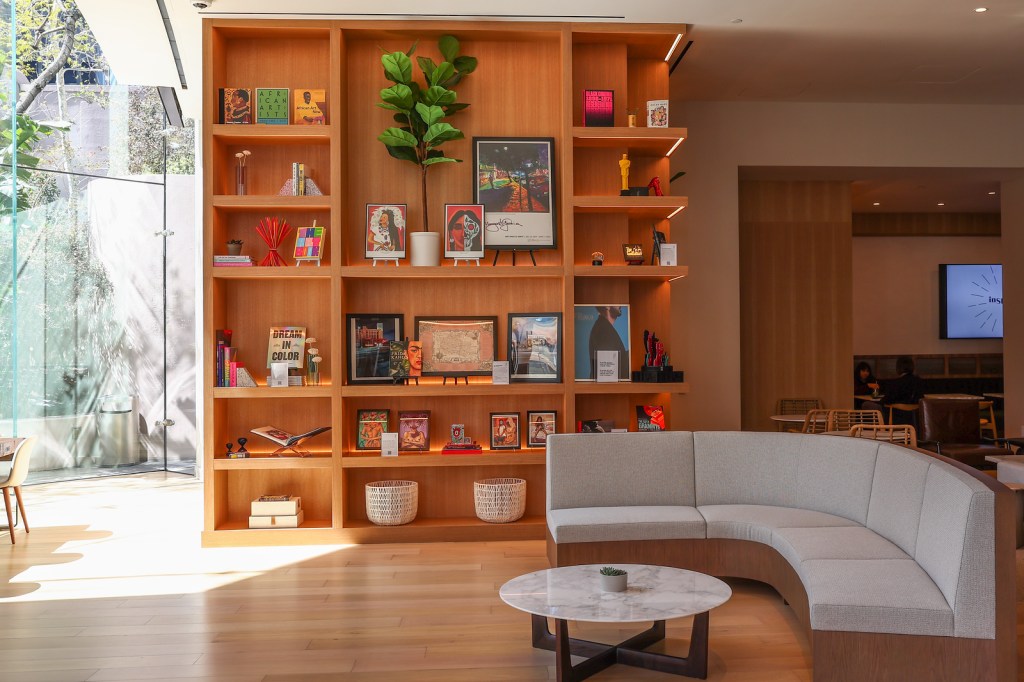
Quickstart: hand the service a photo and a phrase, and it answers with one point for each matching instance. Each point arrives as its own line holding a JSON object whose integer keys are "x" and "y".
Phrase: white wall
{"x": 896, "y": 293}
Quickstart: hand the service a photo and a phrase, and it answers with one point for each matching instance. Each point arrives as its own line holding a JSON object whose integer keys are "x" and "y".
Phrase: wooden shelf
{"x": 356, "y": 460}
{"x": 266, "y": 462}
{"x": 278, "y": 272}
{"x": 270, "y": 202}
{"x": 634, "y": 207}
{"x": 266, "y": 392}
{"x": 255, "y": 132}
{"x": 450, "y": 390}
{"x": 662, "y": 272}
{"x": 457, "y": 529}
{"x": 656, "y": 141}
{"x": 627, "y": 387}
{"x": 485, "y": 271}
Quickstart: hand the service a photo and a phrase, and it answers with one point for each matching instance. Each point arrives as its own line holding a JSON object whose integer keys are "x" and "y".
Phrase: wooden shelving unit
{"x": 555, "y": 62}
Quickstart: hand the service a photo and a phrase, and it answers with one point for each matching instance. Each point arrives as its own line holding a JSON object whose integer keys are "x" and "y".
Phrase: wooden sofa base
{"x": 838, "y": 656}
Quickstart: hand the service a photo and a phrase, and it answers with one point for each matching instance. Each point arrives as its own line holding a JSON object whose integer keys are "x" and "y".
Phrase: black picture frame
{"x": 549, "y": 417}
{"x": 533, "y": 157}
{"x": 427, "y": 327}
{"x": 527, "y": 331}
{"x": 502, "y": 440}
{"x": 358, "y": 368}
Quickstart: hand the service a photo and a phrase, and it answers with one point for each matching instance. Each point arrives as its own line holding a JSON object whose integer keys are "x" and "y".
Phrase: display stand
{"x": 299, "y": 452}
{"x": 377, "y": 260}
{"x": 467, "y": 260}
{"x": 498, "y": 253}
{"x": 444, "y": 380}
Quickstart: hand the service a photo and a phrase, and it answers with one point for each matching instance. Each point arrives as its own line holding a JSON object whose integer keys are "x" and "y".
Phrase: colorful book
{"x": 371, "y": 424}
{"x": 598, "y": 108}
{"x": 309, "y": 242}
{"x": 272, "y": 106}
{"x": 287, "y": 344}
{"x": 309, "y": 107}
{"x": 235, "y": 105}
{"x": 650, "y": 418}
{"x": 657, "y": 113}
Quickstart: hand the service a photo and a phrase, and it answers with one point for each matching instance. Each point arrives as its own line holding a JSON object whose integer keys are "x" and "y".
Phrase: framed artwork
{"x": 505, "y": 433}
{"x": 371, "y": 424}
{"x": 414, "y": 431}
{"x": 650, "y": 418}
{"x": 535, "y": 346}
{"x": 540, "y": 425}
{"x": 310, "y": 242}
{"x": 515, "y": 183}
{"x": 463, "y": 231}
{"x": 600, "y": 327}
{"x": 369, "y": 346}
{"x": 598, "y": 108}
{"x": 457, "y": 346}
{"x": 385, "y": 230}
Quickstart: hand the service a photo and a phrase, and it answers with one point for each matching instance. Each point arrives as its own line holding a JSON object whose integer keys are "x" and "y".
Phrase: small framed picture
{"x": 657, "y": 113}
{"x": 668, "y": 255}
{"x": 650, "y": 418}
{"x": 540, "y": 425}
{"x": 385, "y": 230}
{"x": 505, "y": 433}
{"x": 464, "y": 231}
{"x": 633, "y": 254}
{"x": 369, "y": 346}
{"x": 414, "y": 431}
{"x": 371, "y": 424}
{"x": 600, "y": 327}
{"x": 535, "y": 346}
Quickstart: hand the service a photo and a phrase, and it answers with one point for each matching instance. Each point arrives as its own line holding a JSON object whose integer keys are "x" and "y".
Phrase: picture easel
{"x": 377, "y": 260}
{"x": 467, "y": 260}
{"x": 497, "y": 253}
{"x": 444, "y": 380}
{"x": 299, "y": 249}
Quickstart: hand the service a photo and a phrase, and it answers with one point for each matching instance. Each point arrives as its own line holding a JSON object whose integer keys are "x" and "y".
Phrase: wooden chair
{"x": 903, "y": 413}
{"x": 901, "y": 434}
{"x": 844, "y": 420}
{"x": 815, "y": 421}
{"x": 15, "y": 476}
{"x": 988, "y": 419}
{"x": 798, "y": 405}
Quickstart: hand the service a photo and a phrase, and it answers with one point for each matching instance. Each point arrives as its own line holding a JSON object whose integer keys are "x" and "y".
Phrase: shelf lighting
{"x": 940, "y": 204}
{"x": 675, "y": 278}
{"x": 991, "y": 193}
{"x": 674, "y": 212}
{"x": 979, "y": 10}
{"x": 876, "y": 204}
{"x": 678, "y": 142}
{"x": 675, "y": 44}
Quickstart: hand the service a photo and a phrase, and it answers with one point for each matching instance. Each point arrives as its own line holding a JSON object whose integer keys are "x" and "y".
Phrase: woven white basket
{"x": 500, "y": 500}
{"x": 392, "y": 503}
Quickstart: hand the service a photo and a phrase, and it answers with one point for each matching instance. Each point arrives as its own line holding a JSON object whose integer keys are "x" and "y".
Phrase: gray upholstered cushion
{"x": 610, "y": 524}
{"x": 757, "y": 522}
{"x": 875, "y": 595}
{"x": 746, "y": 467}
{"x": 956, "y": 545}
{"x": 834, "y": 475}
{"x": 620, "y": 469}
{"x": 798, "y": 545}
{"x": 897, "y": 495}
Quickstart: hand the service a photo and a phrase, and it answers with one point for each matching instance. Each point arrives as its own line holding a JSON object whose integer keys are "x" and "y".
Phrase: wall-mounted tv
{"x": 970, "y": 301}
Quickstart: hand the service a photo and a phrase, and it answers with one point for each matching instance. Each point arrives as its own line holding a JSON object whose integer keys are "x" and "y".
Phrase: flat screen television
{"x": 970, "y": 301}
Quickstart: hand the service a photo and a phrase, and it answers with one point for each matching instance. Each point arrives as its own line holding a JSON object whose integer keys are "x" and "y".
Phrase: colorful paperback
{"x": 598, "y": 108}
{"x": 309, "y": 107}
{"x": 235, "y": 105}
{"x": 287, "y": 344}
{"x": 272, "y": 106}
{"x": 657, "y": 113}
{"x": 650, "y": 418}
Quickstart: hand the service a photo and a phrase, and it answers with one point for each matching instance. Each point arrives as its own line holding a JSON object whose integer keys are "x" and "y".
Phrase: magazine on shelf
{"x": 285, "y": 439}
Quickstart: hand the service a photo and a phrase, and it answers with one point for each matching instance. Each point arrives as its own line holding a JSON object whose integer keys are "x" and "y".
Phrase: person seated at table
{"x": 864, "y": 383}
{"x": 906, "y": 389}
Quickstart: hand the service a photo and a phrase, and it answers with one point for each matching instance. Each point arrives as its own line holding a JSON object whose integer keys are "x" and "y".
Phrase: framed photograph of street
{"x": 369, "y": 346}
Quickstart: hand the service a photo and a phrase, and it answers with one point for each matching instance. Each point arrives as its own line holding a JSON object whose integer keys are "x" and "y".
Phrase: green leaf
{"x": 439, "y": 133}
{"x": 454, "y": 108}
{"x": 464, "y": 64}
{"x": 403, "y": 153}
{"x": 397, "y": 67}
{"x": 396, "y": 137}
{"x": 430, "y": 115}
{"x": 435, "y": 94}
{"x": 427, "y": 66}
{"x": 439, "y": 159}
{"x": 443, "y": 72}
{"x": 391, "y": 107}
{"x": 449, "y": 46}
{"x": 399, "y": 95}
{"x": 412, "y": 49}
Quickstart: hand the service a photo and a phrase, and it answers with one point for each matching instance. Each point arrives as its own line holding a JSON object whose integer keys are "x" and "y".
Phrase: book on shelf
{"x": 287, "y": 344}
{"x": 650, "y": 418}
{"x": 309, "y": 107}
{"x": 285, "y": 439}
{"x": 277, "y": 520}
{"x": 235, "y": 105}
{"x": 233, "y": 261}
{"x": 598, "y": 108}
{"x": 276, "y": 505}
{"x": 272, "y": 106}
{"x": 298, "y": 179}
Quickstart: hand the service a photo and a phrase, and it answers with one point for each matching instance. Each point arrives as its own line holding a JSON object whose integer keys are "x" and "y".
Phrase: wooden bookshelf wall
{"x": 530, "y": 82}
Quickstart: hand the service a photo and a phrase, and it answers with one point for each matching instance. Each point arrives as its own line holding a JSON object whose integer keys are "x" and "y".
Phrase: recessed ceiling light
{"x": 941, "y": 204}
{"x": 979, "y": 10}
{"x": 991, "y": 192}
{"x": 876, "y": 204}
{"x": 735, "y": 21}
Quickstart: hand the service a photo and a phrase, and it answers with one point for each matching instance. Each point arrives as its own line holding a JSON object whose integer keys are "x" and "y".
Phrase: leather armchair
{"x": 951, "y": 427}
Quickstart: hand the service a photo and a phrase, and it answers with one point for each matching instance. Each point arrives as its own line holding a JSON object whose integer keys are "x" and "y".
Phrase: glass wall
{"x": 91, "y": 278}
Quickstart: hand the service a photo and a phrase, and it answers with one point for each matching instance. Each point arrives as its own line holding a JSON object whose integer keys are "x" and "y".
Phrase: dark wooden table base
{"x": 631, "y": 652}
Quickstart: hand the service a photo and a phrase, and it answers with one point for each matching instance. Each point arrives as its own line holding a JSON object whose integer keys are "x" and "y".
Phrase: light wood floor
{"x": 112, "y": 585}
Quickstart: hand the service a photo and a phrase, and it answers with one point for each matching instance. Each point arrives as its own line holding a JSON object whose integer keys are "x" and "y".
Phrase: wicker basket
{"x": 500, "y": 500}
{"x": 392, "y": 503}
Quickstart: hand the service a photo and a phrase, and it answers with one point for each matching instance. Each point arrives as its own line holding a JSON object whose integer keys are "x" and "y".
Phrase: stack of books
{"x": 298, "y": 179}
{"x": 276, "y": 511}
{"x": 232, "y": 261}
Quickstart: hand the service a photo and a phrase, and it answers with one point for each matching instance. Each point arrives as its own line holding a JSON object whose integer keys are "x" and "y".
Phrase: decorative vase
{"x": 614, "y": 583}
{"x": 426, "y": 248}
{"x": 234, "y": 249}
{"x": 240, "y": 178}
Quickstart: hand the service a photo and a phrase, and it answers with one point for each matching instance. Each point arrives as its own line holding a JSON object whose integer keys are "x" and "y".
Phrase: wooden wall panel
{"x": 795, "y": 295}
{"x": 926, "y": 224}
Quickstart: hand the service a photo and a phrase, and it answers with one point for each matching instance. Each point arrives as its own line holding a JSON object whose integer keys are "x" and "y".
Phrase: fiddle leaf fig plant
{"x": 421, "y": 109}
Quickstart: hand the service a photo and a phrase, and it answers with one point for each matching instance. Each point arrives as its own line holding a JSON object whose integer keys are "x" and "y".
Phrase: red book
{"x": 599, "y": 108}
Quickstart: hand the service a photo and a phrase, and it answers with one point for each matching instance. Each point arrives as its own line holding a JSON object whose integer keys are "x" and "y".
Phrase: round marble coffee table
{"x": 655, "y": 593}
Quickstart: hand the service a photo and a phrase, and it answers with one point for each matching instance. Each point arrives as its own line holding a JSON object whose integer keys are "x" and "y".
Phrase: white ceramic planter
{"x": 614, "y": 583}
{"x": 425, "y": 248}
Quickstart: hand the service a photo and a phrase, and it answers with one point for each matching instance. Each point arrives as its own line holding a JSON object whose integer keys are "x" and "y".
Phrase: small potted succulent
{"x": 234, "y": 247}
{"x": 613, "y": 579}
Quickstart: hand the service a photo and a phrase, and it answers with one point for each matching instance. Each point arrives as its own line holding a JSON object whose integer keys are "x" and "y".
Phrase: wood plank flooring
{"x": 111, "y": 584}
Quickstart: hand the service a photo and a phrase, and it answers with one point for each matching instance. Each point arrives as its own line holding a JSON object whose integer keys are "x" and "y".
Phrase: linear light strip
{"x": 675, "y": 44}
{"x": 674, "y": 212}
{"x": 678, "y": 142}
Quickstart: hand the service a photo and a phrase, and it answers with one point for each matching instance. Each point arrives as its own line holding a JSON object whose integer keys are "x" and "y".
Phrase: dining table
{"x": 952, "y": 396}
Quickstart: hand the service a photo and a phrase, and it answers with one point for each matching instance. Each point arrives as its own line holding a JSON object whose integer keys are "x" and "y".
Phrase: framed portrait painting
{"x": 600, "y": 327}
{"x": 463, "y": 231}
{"x": 535, "y": 346}
{"x": 370, "y": 425}
{"x": 457, "y": 346}
{"x": 385, "y": 230}
{"x": 505, "y": 432}
{"x": 515, "y": 182}
{"x": 540, "y": 425}
{"x": 414, "y": 431}
{"x": 369, "y": 346}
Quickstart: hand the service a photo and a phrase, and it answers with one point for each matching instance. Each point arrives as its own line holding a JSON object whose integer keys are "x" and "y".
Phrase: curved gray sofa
{"x": 892, "y": 558}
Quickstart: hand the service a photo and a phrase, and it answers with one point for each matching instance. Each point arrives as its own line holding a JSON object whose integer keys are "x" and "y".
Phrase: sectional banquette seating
{"x": 898, "y": 563}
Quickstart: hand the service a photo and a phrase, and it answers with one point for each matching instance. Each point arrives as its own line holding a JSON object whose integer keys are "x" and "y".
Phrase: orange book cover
{"x": 309, "y": 107}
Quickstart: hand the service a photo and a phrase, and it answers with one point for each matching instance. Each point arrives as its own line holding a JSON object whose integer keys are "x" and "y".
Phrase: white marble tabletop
{"x": 654, "y": 593}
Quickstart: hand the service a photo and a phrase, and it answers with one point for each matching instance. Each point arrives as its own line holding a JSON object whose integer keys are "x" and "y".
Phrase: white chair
{"x": 15, "y": 476}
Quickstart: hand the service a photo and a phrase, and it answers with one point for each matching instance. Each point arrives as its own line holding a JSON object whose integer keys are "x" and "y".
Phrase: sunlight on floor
{"x": 135, "y": 544}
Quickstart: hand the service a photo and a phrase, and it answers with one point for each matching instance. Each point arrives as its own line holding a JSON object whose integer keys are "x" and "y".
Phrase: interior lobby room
{"x": 687, "y": 223}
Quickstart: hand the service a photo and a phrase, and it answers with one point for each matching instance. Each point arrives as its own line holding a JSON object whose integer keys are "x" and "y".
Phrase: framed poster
{"x": 535, "y": 346}
{"x": 505, "y": 432}
{"x": 414, "y": 431}
{"x": 371, "y": 424}
{"x": 385, "y": 230}
{"x": 463, "y": 231}
{"x": 515, "y": 183}
{"x": 369, "y": 346}
{"x": 600, "y": 327}
{"x": 540, "y": 425}
{"x": 457, "y": 346}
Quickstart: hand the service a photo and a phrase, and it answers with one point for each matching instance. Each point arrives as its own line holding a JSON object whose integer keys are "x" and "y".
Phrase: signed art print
{"x": 457, "y": 346}
{"x": 515, "y": 184}
{"x": 463, "y": 231}
{"x": 385, "y": 230}
{"x": 535, "y": 346}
